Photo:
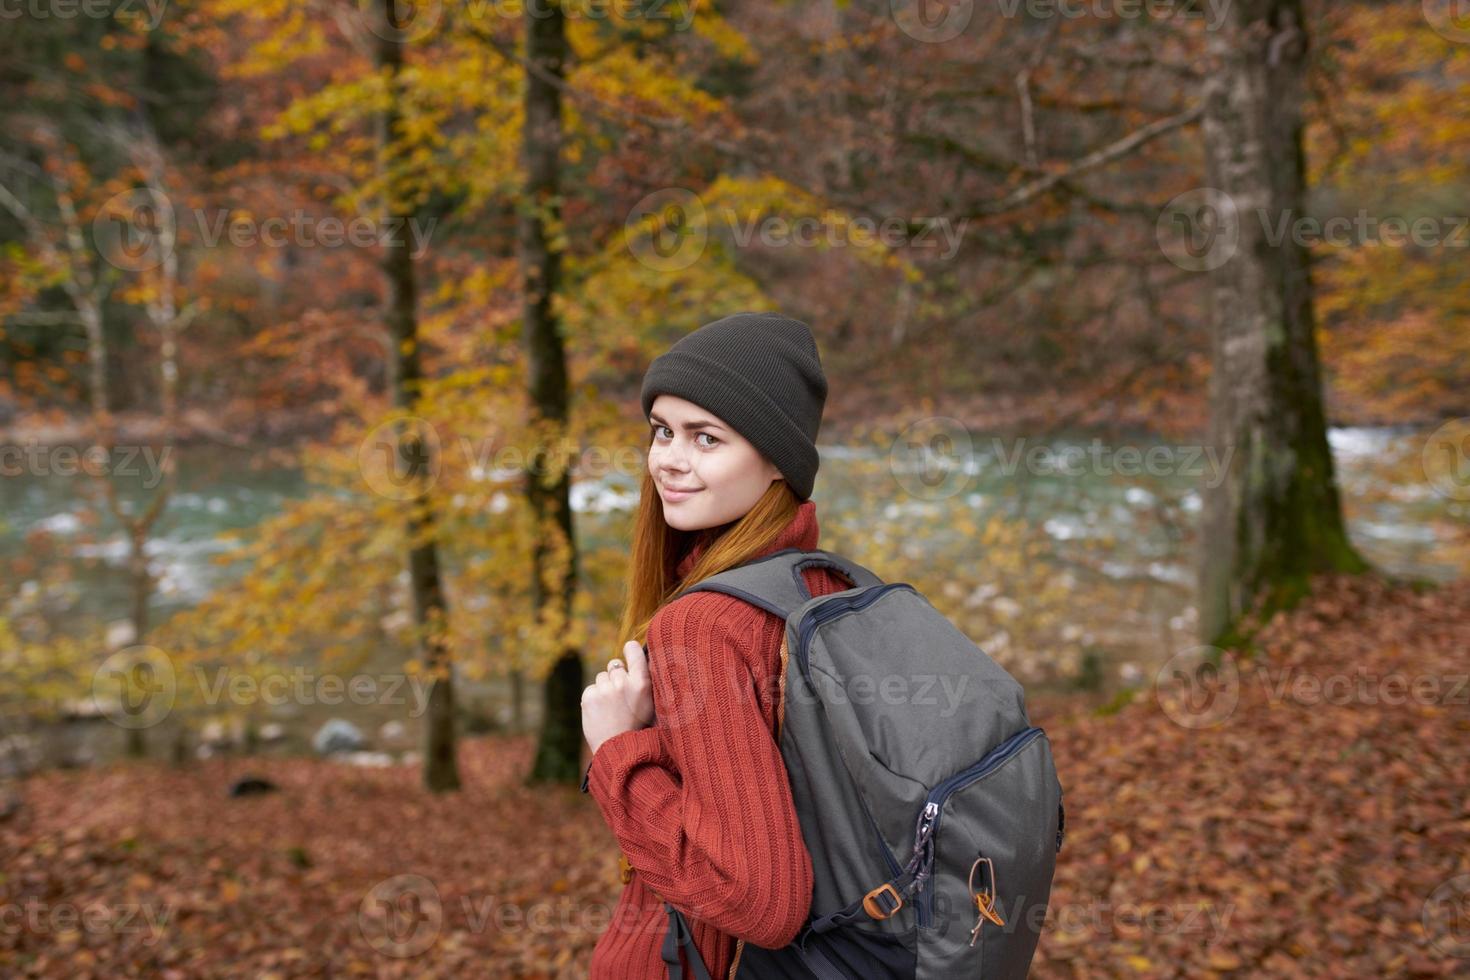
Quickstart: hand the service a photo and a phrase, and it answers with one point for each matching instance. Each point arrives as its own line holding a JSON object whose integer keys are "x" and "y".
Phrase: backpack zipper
{"x": 933, "y": 810}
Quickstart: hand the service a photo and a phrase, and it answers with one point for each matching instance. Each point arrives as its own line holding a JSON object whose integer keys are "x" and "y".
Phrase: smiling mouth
{"x": 682, "y": 493}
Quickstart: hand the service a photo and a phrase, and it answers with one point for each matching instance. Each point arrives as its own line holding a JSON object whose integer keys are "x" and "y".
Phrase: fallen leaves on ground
{"x": 1316, "y": 829}
{"x": 1302, "y": 833}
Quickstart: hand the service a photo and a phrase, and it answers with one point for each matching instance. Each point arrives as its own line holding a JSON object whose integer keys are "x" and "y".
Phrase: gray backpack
{"x": 929, "y": 803}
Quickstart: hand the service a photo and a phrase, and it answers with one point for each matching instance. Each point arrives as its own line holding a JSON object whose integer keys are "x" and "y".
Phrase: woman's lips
{"x": 674, "y": 496}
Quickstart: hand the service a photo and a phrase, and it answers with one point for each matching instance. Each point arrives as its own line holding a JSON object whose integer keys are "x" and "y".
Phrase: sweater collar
{"x": 801, "y": 532}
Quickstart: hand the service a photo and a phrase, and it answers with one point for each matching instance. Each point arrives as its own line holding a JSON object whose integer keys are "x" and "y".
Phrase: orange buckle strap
{"x": 870, "y": 901}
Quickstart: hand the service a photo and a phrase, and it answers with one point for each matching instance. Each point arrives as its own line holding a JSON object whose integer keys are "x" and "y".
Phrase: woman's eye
{"x": 659, "y": 430}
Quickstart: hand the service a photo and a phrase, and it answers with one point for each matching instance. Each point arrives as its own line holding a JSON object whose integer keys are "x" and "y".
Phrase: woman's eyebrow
{"x": 690, "y": 426}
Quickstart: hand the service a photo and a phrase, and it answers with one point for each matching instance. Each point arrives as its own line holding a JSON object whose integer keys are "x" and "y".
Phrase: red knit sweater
{"x": 700, "y": 802}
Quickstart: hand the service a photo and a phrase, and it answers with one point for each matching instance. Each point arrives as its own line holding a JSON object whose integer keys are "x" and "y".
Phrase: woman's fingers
{"x": 630, "y": 684}
{"x": 611, "y": 680}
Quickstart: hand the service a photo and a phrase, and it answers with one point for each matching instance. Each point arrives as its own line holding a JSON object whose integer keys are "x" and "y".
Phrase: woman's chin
{"x": 681, "y": 518}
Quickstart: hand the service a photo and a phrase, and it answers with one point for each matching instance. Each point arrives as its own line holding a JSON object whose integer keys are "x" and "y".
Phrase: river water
{"x": 1110, "y": 541}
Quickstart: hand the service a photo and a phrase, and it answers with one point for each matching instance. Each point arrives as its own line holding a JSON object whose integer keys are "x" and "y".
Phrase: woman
{"x": 685, "y": 764}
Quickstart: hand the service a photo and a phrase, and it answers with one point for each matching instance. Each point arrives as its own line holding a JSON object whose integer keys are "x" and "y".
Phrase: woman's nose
{"x": 675, "y": 456}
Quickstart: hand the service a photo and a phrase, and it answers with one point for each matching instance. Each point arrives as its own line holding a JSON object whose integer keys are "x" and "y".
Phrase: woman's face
{"x": 695, "y": 451}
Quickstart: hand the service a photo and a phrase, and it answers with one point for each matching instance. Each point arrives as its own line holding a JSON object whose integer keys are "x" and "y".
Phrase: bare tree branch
{"x": 1113, "y": 151}
{"x": 1023, "y": 88}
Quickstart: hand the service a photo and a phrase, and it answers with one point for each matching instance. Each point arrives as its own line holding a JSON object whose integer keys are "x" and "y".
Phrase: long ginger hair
{"x": 657, "y": 548}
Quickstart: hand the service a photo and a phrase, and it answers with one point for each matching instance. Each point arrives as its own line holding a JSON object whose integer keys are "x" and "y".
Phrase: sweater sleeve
{"x": 701, "y": 803}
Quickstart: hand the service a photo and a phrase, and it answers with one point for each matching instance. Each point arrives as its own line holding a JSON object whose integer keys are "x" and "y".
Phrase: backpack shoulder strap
{"x": 774, "y": 581}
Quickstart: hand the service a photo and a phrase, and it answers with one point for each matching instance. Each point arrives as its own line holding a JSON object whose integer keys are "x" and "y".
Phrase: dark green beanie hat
{"x": 760, "y": 373}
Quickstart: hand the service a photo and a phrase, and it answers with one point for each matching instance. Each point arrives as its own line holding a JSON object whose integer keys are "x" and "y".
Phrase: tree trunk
{"x": 1275, "y": 518}
{"x": 415, "y": 454}
{"x": 517, "y": 701}
{"x": 559, "y": 749}
{"x": 163, "y": 312}
{"x": 140, "y": 583}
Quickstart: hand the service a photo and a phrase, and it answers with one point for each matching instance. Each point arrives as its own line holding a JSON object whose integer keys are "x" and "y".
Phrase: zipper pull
{"x": 921, "y": 864}
{"x": 924, "y": 828}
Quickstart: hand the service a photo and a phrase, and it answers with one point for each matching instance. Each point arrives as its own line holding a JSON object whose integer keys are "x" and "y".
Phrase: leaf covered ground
{"x": 1308, "y": 814}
